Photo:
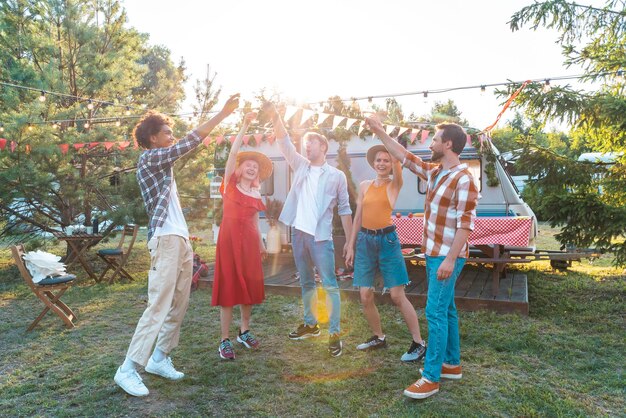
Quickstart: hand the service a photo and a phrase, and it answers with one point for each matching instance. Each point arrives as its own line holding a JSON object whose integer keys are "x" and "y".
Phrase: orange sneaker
{"x": 421, "y": 389}
{"x": 449, "y": 372}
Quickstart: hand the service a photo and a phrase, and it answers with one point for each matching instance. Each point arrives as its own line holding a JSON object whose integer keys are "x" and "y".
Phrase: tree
{"x": 74, "y": 48}
{"x": 595, "y": 39}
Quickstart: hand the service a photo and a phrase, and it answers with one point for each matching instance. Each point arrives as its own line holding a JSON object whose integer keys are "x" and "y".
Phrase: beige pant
{"x": 169, "y": 286}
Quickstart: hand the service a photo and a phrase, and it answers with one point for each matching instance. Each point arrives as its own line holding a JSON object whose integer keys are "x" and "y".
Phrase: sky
{"x": 310, "y": 50}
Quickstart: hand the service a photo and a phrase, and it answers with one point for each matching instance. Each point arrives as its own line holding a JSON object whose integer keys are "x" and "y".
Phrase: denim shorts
{"x": 379, "y": 252}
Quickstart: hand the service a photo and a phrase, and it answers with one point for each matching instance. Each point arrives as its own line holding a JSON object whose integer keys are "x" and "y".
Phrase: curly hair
{"x": 150, "y": 124}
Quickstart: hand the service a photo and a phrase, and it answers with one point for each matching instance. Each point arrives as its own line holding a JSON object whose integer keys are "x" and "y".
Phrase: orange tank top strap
{"x": 376, "y": 209}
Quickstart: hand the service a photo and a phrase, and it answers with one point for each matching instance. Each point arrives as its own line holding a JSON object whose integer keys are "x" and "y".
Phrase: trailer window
{"x": 267, "y": 187}
{"x": 475, "y": 167}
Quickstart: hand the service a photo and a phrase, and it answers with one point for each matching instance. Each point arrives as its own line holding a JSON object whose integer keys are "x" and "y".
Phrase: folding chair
{"x": 45, "y": 289}
{"x": 116, "y": 257}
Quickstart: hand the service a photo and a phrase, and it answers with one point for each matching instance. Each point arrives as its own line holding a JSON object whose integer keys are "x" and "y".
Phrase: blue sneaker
{"x": 416, "y": 352}
{"x": 226, "y": 350}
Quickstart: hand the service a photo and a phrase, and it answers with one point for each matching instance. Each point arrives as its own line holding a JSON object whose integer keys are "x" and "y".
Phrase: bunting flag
{"x": 413, "y": 135}
{"x": 290, "y": 111}
{"x": 93, "y": 144}
{"x": 13, "y": 146}
{"x": 389, "y": 129}
{"x": 108, "y": 145}
{"x": 3, "y": 143}
{"x": 350, "y": 122}
{"x": 337, "y": 121}
{"x": 123, "y": 145}
{"x": 322, "y": 117}
{"x": 506, "y": 106}
{"x": 258, "y": 138}
{"x": 306, "y": 115}
{"x": 425, "y": 134}
{"x": 361, "y": 127}
{"x": 206, "y": 141}
{"x": 469, "y": 140}
{"x": 246, "y": 139}
{"x": 78, "y": 146}
{"x": 64, "y": 148}
{"x": 402, "y": 131}
{"x": 27, "y": 149}
{"x": 271, "y": 138}
{"x": 219, "y": 139}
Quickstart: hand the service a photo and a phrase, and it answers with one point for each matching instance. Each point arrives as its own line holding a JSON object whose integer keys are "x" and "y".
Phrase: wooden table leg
{"x": 79, "y": 250}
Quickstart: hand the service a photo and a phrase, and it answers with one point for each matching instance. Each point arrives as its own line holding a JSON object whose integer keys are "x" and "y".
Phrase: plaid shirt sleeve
{"x": 161, "y": 158}
{"x": 418, "y": 166}
{"x": 467, "y": 197}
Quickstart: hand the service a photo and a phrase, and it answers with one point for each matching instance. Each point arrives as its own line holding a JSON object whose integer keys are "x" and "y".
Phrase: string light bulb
{"x": 425, "y": 94}
{"x": 42, "y": 97}
{"x": 546, "y": 86}
{"x": 30, "y": 127}
{"x": 55, "y": 125}
{"x": 118, "y": 122}
{"x": 619, "y": 76}
{"x": 127, "y": 112}
{"x": 1, "y": 127}
{"x": 483, "y": 88}
{"x": 86, "y": 125}
{"x": 90, "y": 104}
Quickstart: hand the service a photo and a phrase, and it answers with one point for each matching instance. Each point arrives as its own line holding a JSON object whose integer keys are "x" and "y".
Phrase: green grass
{"x": 566, "y": 358}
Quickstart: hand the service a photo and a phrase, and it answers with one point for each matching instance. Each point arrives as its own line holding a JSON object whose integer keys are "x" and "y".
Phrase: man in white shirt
{"x": 316, "y": 189}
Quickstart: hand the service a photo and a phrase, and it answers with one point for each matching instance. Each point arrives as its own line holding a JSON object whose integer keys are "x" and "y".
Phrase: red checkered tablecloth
{"x": 511, "y": 231}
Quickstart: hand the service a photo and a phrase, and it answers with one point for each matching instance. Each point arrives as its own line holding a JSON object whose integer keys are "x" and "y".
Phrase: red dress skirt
{"x": 238, "y": 278}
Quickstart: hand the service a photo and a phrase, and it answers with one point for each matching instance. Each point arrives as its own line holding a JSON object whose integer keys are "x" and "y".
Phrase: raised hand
{"x": 231, "y": 104}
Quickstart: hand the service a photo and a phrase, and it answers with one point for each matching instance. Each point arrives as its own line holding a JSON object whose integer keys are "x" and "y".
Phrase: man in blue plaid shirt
{"x": 171, "y": 255}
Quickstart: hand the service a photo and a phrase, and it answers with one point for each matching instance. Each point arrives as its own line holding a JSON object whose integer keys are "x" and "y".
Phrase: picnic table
{"x": 491, "y": 235}
{"x": 78, "y": 243}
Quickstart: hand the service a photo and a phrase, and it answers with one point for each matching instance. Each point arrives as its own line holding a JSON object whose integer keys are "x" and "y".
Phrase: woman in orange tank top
{"x": 378, "y": 249}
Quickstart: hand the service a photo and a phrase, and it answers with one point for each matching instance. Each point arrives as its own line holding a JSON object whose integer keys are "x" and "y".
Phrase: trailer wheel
{"x": 559, "y": 264}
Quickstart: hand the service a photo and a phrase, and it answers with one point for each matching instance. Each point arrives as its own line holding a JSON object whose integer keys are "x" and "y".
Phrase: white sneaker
{"x": 164, "y": 368}
{"x": 131, "y": 382}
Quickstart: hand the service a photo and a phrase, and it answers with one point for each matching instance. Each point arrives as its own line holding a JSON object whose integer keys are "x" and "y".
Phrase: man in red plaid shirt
{"x": 449, "y": 213}
{"x": 171, "y": 255}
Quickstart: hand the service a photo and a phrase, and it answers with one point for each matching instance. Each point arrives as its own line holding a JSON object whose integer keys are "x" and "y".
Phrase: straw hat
{"x": 265, "y": 164}
{"x": 371, "y": 153}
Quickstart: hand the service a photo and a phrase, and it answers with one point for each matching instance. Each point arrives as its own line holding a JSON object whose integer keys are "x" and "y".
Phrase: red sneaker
{"x": 421, "y": 389}
{"x": 451, "y": 372}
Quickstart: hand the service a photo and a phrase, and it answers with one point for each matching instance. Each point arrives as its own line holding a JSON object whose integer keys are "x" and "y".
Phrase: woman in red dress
{"x": 238, "y": 278}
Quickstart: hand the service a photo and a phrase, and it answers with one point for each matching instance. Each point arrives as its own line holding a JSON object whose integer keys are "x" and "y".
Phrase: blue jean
{"x": 321, "y": 254}
{"x": 443, "y": 321}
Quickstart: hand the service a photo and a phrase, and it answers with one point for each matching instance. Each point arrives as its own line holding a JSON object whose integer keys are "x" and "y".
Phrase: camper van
{"x": 500, "y": 200}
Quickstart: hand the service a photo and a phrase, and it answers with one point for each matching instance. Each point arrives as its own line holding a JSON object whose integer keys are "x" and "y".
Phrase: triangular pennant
{"x": 93, "y": 144}
{"x": 402, "y": 130}
{"x": 246, "y": 139}
{"x": 135, "y": 145}
{"x": 337, "y": 121}
{"x": 306, "y": 115}
{"x": 108, "y": 145}
{"x": 3, "y": 143}
{"x": 425, "y": 134}
{"x": 13, "y": 146}
{"x": 290, "y": 111}
{"x": 231, "y": 138}
{"x": 350, "y": 122}
{"x": 469, "y": 140}
{"x": 206, "y": 141}
{"x": 413, "y": 135}
{"x": 361, "y": 127}
{"x": 322, "y": 117}
{"x": 27, "y": 149}
{"x": 389, "y": 129}
{"x": 78, "y": 146}
{"x": 258, "y": 138}
{"x": 64, "y": 148}
{"x": 219, "y": 139}
{"x": 123, "y": 145}
{"x": 271, "y": 138}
